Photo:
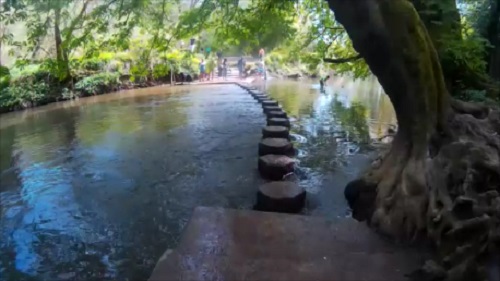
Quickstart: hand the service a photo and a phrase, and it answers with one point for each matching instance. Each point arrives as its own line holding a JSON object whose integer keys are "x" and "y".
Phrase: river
{"x": 98, "y": 188}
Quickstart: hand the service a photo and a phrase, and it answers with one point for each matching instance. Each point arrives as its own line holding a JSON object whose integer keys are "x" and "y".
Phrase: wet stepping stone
{"x": 276, "y": 114}
{"x": 269, "y": 102}
{"x": 275, "y": 167}
{"x": 277, "y": 146}
{"x": 261, "y": 99}
{"x": 275, "y": 132}
{"x": 280, "y": 196}
{"x": 268, "y": 109}
{"x": 278, "y": 122}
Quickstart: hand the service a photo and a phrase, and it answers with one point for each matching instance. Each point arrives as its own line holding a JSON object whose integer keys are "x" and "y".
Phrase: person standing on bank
{"x": 202, "y": 70}
{"x": 261, "y": 54}
{"x": 240, "y": 67}
{"x": 224, "y": 69}
{"x": 244, "y": 66}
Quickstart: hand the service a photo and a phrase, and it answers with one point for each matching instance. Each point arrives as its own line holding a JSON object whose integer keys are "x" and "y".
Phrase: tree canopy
{"x": 300, "y": 32}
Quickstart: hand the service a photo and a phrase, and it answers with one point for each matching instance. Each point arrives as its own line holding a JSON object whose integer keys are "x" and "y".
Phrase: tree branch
{"x": 335, "y": 28}
{"x": 342, "y": 60}
{"x": 75, "y": 21}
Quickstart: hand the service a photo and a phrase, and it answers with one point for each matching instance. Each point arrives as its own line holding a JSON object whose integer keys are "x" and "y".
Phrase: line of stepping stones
{"x": 275, "y": 160}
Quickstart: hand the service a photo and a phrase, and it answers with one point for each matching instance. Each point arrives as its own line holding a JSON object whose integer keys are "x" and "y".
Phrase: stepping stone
{"x": 276, "y": 114}
{"x": 275, "y": 132}
{"x": 269, "y": 103}
{"x": 271, "y": 108}
{"x": 277, "y": 146}
{"x": 260, "y": 97}
{"x": 278, "y": 122}
{"x": 280, "y": 196}
{"x": 275, "y": 167}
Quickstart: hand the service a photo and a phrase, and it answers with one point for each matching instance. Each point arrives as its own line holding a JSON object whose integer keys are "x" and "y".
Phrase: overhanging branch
{"x": 342, "y": 60}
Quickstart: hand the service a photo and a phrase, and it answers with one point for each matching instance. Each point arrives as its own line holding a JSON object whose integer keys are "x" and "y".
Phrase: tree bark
{"x": 493, "y": 35}
{"x": 389, "y": 35}
{"x": 445, "y": 157}
{"x": 61, "y": 54}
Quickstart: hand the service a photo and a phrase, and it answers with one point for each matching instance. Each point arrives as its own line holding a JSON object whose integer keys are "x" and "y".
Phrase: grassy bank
{"x": 33, "y": 83}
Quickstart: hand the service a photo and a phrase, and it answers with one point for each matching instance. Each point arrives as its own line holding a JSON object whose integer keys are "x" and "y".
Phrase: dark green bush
{"x": 4, "y": 77}
{"x": 97, "y": 83}
{"x": 22, "y": 95}
{"x": 160, "y": 71}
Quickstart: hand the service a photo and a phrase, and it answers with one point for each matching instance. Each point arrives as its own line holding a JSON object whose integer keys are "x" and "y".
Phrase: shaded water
{"x": 97, "y": 189}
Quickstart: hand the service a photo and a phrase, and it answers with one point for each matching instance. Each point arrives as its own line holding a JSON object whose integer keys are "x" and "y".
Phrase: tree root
{"x": 451, "y": 196}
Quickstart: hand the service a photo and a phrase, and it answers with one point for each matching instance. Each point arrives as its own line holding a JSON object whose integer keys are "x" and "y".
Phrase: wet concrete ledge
{"x": 226, "y": 244}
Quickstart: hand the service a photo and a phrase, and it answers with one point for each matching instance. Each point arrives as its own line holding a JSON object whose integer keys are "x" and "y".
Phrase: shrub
{"x": 97, "y": 83}
{"x": 139, "y": 71}
{"x": 23, "y": 95}
{"x": 4, "y": 77}
{"x": 160, "y": 70}
{"x": 93, "y": 64}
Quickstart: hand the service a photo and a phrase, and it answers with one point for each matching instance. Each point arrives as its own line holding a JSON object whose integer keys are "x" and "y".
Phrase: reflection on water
{"x": 97, "y": 189}
{"x": 100, "y": 190}
{"x": 330, "y": 131}
{"x": 327, "y": 127}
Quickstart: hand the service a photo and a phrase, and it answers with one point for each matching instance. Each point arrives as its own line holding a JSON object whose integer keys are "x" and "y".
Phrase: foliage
{"x": 353, "y": 120}
{"x": 21, "y": 94}
{"x": 90, "y": 64}
{"x": 161, "y": 70}
{"x": 20, "y": 70}
{"x": 86, "y": 37}
{"x": 97, "y": 83}
{"x": 473, "y": 95}
{"x": 4, "y": 77}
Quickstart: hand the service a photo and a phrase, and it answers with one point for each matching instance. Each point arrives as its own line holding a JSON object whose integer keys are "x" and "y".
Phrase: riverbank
{"x": 89, "y": 86}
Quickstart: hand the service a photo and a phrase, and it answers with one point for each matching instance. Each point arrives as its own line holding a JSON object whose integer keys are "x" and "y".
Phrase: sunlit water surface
{"x": 97, "y": 189}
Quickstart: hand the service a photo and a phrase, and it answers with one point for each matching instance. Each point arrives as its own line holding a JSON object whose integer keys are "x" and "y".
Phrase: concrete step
{"x": 249, "y": 245}
{"x": 341, "y": 267}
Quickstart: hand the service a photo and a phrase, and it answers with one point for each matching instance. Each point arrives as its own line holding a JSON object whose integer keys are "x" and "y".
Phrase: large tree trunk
{"x": 493, "y": 35}
{"x": 394, "y": 42}
{"x": 61, "y": 55}
{"x": 443, "y": 167}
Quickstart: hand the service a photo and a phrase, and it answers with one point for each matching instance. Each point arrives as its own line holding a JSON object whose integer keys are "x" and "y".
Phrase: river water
{"x": 99, "y": 188}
